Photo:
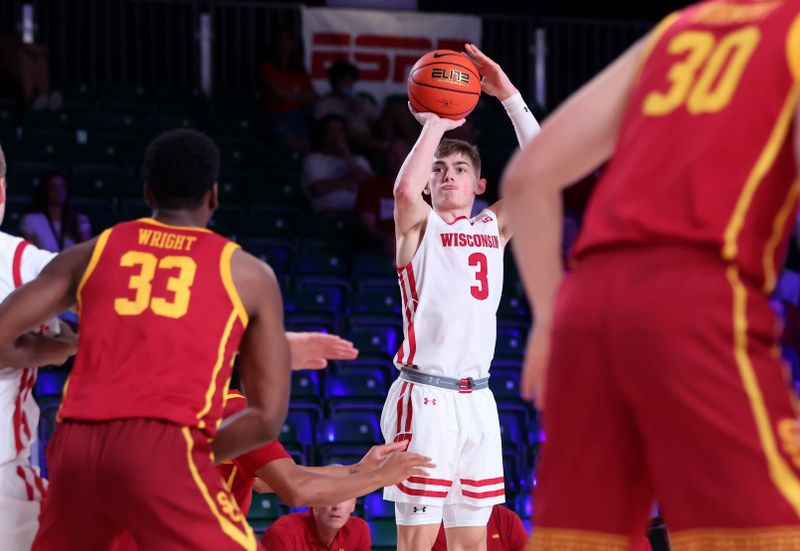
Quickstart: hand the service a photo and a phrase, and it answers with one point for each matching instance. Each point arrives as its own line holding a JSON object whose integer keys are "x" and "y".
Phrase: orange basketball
{"x": 446, "y": 83}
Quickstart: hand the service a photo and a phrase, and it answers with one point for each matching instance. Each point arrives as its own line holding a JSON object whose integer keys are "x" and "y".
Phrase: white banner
{"x": 382, "y": 44}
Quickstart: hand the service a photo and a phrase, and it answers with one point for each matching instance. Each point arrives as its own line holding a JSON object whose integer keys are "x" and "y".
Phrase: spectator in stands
{"x": 375, "y": 203}
{"x": 52, "y": 223}
{"x": 319, "y": 528}
{"x": 288, "y": 94}
{"x": 504, "y": 532}
{"x": 332, "y": 173}
{"x": 360, "y": 112}
{"x": 25, "y": 68}
{"x": 397, "y": 122}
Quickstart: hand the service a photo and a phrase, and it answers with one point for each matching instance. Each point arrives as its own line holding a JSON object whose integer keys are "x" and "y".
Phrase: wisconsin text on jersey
{"x": 166, "y": 240}
{"x": 467, "y": 240}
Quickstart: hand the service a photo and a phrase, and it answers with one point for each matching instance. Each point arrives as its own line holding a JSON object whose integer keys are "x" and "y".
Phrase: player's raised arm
{"x": 264, "y": 362}
{"x": 495, "y": 82}
{"x": 410, "y": 210}
{"x": 579, "y": 136}
{"x": 36, "y": 302}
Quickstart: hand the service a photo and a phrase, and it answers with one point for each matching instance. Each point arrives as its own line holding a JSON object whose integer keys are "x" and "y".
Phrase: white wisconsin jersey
{"x": 450, "y": 291}
{"x": 19, "y": 414}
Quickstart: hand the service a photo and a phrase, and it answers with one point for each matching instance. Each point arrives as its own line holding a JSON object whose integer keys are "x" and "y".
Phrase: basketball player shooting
{"x": 450, "y": 270}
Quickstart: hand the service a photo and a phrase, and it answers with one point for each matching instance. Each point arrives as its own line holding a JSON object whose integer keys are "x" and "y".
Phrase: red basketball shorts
{"x": 666, "y": 384}
{"x": 150, "y": 478}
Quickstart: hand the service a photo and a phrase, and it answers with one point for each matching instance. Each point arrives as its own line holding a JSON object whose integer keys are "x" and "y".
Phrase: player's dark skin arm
{"x": 264, "y": 362}
{"x": 321, "y": 486}
{"x": 52, "y": 292}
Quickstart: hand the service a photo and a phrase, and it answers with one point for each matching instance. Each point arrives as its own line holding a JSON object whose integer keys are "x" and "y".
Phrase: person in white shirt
{"x": 450, "y": 267}
{"x": 332, "y": 173}
{"x": 52, "y": 224}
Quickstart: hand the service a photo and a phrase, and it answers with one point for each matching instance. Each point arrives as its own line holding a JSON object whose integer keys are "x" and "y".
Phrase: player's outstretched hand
{"x": 534, "y": 370}
{"x": 494, "y": 80}
{"x": 376, "y": 454}
{"x": 422, "y": 118}
{"x": 313, "y": 350}
{"x": 402, "y": 465}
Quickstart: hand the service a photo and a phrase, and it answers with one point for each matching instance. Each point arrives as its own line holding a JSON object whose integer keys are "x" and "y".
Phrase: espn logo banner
{"x": 382, "y": 44}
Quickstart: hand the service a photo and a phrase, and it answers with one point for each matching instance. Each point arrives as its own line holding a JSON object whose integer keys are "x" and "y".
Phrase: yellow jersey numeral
{"x": 705, "y": 80}
{"x": 142, "y": 284}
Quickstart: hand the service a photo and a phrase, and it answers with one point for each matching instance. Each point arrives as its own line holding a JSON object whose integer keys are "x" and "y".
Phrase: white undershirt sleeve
{"x": 525, "y": 124}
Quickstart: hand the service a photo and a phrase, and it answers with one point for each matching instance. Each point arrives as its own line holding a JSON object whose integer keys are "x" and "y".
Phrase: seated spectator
{"x": 360, "y": 113}
{"x": 25, "y": 68}
{"x": 332, "y": 173}
{"x": 504, "y": 532}
{"x": 52, "y": 223}
{"x": 288, "y": 94}
{"x": 397, "y": 122}
{"x": 375, "y": 203}
{"x": 321, "y": 528}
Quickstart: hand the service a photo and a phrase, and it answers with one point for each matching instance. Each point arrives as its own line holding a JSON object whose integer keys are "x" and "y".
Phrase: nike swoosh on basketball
{"x": 437, "y": 55}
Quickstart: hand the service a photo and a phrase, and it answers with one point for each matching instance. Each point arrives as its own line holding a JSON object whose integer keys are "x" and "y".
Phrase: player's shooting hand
{"x": 534, "y": 370}
{"x": 433, "y": 118}
{"x": 402, "y": 465}
{"x": 313, "y": 350}
{"x": 376, "y": 454}
{"x": 494, "y": 80}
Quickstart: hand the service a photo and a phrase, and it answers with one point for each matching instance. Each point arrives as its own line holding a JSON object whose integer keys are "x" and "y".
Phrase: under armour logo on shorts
{"x": 432, "y": 401}
{"x": 419, "y": 509}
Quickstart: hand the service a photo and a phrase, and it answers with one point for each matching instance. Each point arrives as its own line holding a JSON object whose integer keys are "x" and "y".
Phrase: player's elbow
{"x": 405, "y": 193}
{"x": 294, "y": 498}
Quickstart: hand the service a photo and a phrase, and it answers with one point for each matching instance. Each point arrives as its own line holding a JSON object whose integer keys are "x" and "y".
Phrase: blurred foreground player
{"x": 164, "y": 304}
{"x": 664, "y": 375}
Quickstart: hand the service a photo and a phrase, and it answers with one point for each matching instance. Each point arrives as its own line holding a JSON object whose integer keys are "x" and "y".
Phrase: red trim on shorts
{"x": 400, "y": 407}
{"x": 28, "y": 487}
{"x": 483, "y": 495}
{"x": 28, "y": 379}
{"x": 17, "y": 417}
{"x": 483, "y": 482}
{"x": 39, "y": 484}
{"x": 412, "y": 284}
{"x": 426, "y": 493}
{"x": 16, "y": 264}
{"x": 410, "y": 411}
{"x": 430, "y": 481}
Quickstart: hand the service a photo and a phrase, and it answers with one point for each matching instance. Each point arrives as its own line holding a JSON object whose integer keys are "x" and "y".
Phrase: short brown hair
{"x": 449, "y": 147}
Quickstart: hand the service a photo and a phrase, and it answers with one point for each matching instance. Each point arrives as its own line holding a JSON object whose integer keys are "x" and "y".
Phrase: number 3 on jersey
{"x": 707, "y": 75}
{"x": 142, "y": 284}
{"x": 480, "y": 291}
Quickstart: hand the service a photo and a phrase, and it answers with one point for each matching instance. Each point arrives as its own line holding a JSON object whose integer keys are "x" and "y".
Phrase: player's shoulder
{"x": 8, "y": 240}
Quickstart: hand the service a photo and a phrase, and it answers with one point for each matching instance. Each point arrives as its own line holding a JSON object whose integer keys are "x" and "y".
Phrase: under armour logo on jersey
{"x": 431, "y": 401}
{"x": 526, "y": 109}
{"x": 419, "y": 509}
{"x": 486, "y": 219}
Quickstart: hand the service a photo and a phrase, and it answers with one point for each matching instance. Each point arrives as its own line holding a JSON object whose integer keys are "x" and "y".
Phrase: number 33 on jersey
{"x": 154, "y": 289}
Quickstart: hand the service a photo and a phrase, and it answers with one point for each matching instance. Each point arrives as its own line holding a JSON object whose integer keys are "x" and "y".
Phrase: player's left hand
{"x": 534, "y": 370}
{"x": 376, "y": 454}
{"x": 494, "y": 80}
{"x": 313, "y": 350}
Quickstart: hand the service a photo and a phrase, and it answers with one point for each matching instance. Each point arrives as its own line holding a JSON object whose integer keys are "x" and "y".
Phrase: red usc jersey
{"x": 705, "y": 148}
{"x": 160, "y": 322}
{"x": 240, "y": 473}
